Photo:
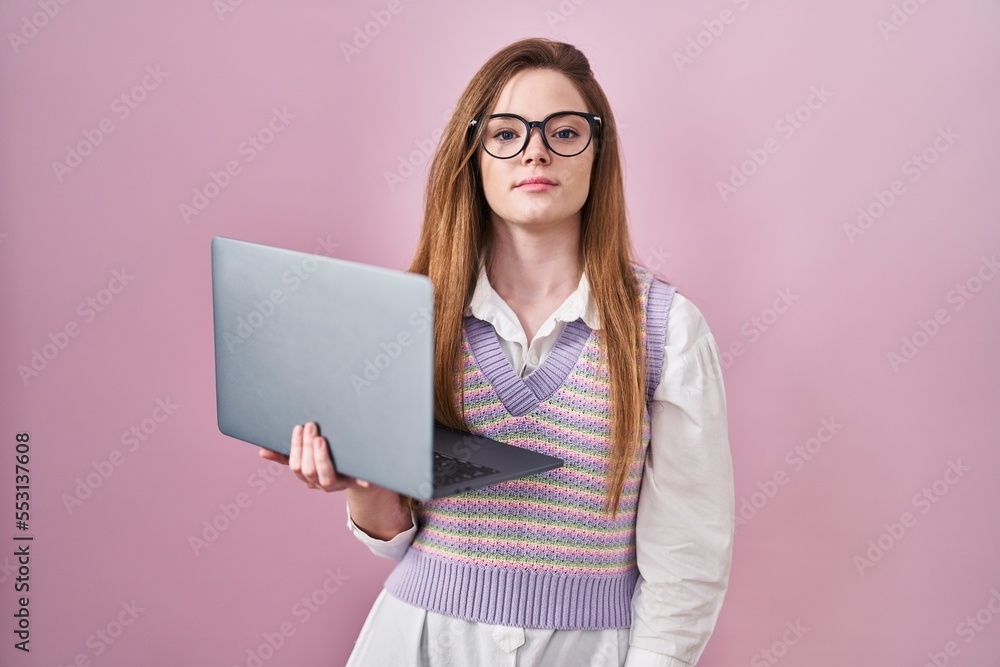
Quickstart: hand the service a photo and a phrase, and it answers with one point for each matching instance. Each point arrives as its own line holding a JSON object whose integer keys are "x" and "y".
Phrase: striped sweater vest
{"x": 538, "y": 551}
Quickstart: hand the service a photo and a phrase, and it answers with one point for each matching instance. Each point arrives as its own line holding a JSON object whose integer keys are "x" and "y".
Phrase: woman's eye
{"x": 565, "y": 134}
{"x": 505, "y": 135}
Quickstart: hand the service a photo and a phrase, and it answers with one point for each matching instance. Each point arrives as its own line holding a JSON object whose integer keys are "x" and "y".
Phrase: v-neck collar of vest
{"x": 522, "y": 395}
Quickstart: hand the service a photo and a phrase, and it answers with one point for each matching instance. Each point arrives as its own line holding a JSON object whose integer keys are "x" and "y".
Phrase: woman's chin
{"x": 541, "y": 217}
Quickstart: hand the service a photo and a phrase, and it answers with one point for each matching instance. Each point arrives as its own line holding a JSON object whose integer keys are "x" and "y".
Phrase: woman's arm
{"x": 387, "y": 544}
{"x": 375, "y": 514}
{"x": 686, "y": 516}
{"x": 378, "y": 512}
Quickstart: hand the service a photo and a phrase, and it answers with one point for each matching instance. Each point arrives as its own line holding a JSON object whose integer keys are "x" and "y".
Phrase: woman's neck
{"x": 534, "y": 264}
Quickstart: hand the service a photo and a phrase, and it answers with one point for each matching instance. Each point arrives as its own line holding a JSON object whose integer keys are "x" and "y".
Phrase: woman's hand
{"x": 309, "y": 459}
{"x": 374, "y": 509}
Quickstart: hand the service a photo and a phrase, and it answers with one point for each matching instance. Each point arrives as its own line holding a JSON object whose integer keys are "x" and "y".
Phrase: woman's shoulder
{"x": 644, "y": 274}
{"x": 685, "y": 324}
{"x": 686, "y": 316}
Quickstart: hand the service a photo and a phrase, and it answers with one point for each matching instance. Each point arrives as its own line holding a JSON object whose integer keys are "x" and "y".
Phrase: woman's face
{"x": 533, "y": 95}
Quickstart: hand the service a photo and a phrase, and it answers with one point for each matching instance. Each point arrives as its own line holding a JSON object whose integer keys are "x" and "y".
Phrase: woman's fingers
{"x": 326, "y": 475}
{"x": 272, "y": 456}
{"x": 308, "y": 457}
{"x": 295, "y": 451}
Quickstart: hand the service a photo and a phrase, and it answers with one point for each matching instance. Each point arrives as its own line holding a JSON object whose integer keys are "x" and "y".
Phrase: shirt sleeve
{"x": 393, "y": 549}
{"x": 686, "y": 514}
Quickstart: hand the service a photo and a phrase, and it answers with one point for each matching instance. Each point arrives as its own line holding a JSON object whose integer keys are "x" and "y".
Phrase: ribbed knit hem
{"x": 517, "y": 598}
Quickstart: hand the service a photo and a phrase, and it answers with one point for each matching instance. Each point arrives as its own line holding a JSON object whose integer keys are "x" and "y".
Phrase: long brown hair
{"x": 457, "y": 229}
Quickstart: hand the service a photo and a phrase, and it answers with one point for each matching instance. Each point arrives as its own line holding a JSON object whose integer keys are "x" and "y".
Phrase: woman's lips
{"x": 536, "y": 184}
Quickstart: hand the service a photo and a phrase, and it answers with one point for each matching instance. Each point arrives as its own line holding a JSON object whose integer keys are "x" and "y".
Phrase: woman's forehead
{"x": 536, "y": 93}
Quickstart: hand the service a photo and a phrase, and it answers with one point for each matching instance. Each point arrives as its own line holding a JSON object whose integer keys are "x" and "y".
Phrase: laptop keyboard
{"x": 450, "y": 470}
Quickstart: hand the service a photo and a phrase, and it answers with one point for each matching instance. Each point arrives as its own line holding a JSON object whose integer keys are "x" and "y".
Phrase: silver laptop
{"x": 302, "y": 337}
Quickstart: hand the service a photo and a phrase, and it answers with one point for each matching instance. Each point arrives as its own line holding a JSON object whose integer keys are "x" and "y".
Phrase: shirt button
{"x": 533, "y": 359}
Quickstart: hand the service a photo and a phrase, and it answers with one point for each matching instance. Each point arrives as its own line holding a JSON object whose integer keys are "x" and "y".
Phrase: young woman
{"x": 550, "y": 337}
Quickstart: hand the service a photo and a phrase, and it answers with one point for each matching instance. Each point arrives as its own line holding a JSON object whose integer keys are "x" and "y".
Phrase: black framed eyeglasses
{"x": 565, "y": 133}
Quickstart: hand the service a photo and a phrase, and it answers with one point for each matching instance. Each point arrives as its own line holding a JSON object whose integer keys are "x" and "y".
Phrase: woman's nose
{"x": 536, "y": 148}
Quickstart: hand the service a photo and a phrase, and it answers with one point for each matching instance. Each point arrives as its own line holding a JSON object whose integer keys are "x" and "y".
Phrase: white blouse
{"x": 685, "y": 520}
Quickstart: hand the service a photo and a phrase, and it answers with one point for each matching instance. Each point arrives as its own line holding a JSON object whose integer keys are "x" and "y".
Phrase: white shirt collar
{"x": 487, "y": 305}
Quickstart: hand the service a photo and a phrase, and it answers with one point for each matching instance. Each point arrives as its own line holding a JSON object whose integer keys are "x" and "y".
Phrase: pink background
{"x": 323, "y": 179}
